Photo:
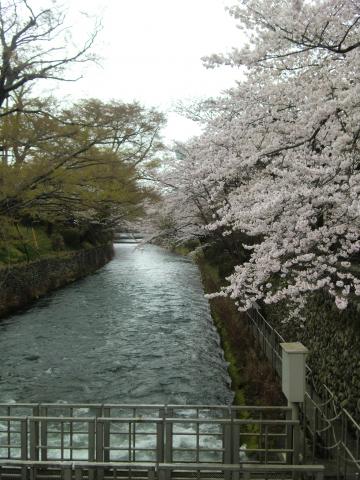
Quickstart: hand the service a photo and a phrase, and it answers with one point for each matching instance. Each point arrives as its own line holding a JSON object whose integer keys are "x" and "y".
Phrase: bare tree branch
{"x": 24, "y": 57}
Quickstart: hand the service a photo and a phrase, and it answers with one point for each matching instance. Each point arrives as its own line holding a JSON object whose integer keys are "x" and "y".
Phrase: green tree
{"x": 85, "y": 163}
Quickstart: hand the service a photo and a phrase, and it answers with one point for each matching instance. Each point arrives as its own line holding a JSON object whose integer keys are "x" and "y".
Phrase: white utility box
{"x": 293, "y": 370}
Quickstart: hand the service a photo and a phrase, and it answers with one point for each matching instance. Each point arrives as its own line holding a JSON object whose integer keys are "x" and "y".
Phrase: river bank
{"x": 252, "y": 378}
{"x": 22, "y": 283}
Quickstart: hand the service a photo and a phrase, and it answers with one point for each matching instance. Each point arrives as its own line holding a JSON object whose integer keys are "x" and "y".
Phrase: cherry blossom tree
{"x": 279, "y": 158}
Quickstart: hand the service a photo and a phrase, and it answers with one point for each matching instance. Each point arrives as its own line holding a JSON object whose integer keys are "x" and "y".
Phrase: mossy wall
{"x": 23, "y": 283}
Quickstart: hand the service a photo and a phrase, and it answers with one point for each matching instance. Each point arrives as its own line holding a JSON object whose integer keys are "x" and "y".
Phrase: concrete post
{"x": 293, "y": 371}
{"x": 293, "y": 384}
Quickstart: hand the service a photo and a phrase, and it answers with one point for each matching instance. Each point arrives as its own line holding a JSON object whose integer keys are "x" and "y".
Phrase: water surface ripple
{"x": 137, "y": 331}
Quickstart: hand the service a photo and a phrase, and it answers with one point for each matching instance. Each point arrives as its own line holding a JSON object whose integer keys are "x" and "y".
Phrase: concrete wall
{"x": 23, "y": 283}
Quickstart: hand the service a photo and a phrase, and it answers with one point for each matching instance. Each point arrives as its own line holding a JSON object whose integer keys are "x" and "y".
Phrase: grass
{"x": 20, "y": 243}
{"x": 222, "y": 311}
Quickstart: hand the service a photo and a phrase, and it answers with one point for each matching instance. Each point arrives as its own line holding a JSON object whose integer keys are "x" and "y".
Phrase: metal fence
{"x": 23, "y": 470}
{"x": 143, "y": 433}
{"x": 330, "y": 432}
{"x": 57, "y": 441}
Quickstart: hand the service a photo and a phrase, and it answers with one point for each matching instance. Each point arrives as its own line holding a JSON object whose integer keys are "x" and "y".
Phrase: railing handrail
{"x": 219, "y": 421}
{"x": 351, "y": 418}
{"x": 150, "y": 406}
{"x": 76, "y": 463}
{"x": 14, "y": 418}
{"x": 246, "y": 467}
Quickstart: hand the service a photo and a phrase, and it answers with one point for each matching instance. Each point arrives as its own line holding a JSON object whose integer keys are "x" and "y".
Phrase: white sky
{"x": 151, "y": 52}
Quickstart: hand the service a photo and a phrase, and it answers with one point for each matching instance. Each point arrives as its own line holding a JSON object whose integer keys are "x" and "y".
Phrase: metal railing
{"x": 196, "y": 434}
{"x": 23, "y": 470}
{"x": 330, "y": 432}
{"x": 234, "y": 472}
{"x": 142, "y": 410}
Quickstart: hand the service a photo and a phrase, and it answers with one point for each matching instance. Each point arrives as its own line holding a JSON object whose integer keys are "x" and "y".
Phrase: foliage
{"x": 57, "y": 242}
{"x": 84, "y": 167}
{"x": 275, "y": 175}
{"x": 82, "y": 164}
{"x": 20, "y": 243}
{"x": 28, "y": 241}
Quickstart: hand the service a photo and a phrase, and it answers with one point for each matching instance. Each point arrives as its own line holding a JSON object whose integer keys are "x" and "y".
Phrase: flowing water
{"x": 137, "y": 331}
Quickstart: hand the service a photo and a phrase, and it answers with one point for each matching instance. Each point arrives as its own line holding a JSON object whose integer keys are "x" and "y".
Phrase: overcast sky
{"x": 151, "y": 52}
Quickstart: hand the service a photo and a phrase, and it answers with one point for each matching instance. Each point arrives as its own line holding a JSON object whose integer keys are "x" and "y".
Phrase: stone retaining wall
{"x": 333, "y": 339}
{"x": 23, "y": 283}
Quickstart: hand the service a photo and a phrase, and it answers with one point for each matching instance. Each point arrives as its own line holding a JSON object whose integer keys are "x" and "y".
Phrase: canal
{"x": 137, "y": 331}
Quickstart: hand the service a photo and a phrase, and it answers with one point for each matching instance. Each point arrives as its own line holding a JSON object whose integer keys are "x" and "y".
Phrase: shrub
{"x": 57, "y": 241}
{"x": 72, "y": 237}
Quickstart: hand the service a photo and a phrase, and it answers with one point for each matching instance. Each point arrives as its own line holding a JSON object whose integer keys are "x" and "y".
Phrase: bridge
{"x": 76, "y": 441}
{"x": 127, "y": 237}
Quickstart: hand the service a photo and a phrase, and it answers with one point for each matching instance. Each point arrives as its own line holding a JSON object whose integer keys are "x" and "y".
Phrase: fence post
{"x": 91, "y": 447}
{"x": 168, "y": 429}
{"x": 160, "y": 441}
{"x": 296, "y": 444}
{"x": 304, "y": 429}
{"x": 319, "y": 475}
{"x": 78, "y": 473}
{"x": 33, "y": 472}
{"x": 106, "y": 432}
{"x": 293, "y": 372}
{"x": 235, "y": 447}
{"x": 235, "y": 442}
{"x": 99, "y": 441}
{"x": 67, "y": 472}
{"x": 293, "y": 382}
{"x": 163, "y": 474}
{"x": 168, "y": 425}
{"x": 227, "y": 443}
{"x": 36, "y": 413}
{"x": 289, "y": 437}
{"x": 23, "y": 446}
{"x": 99, "y": 447}
{"x": 34, "y": 439}
{"x": 151, "y": 473}
{"x": 43, "y": 434}
{"x": 316, "y": 427}
{"x": 24, "y": 439}
{"x": 227, "y": 440}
